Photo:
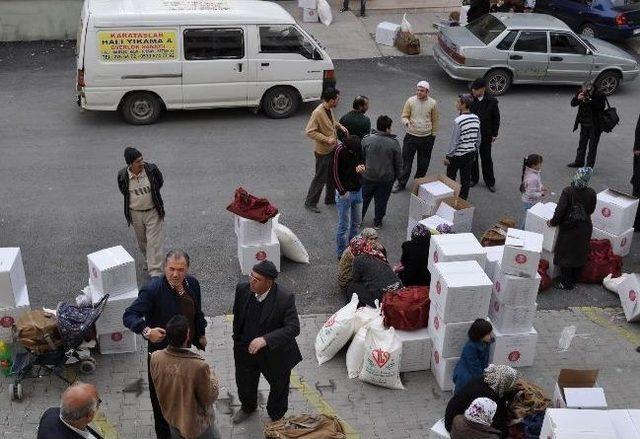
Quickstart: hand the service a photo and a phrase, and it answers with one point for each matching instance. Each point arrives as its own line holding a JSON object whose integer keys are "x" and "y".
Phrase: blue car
{"x": 606, "y": 19}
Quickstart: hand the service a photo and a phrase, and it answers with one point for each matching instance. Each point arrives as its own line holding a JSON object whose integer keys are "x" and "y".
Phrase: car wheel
{"x": 141, "y": 108}
{"x": 608, "y": 82}
{"x": 588, "y": 30}
{"x": 498, "y": 81}
{"x": 280, "y": 102}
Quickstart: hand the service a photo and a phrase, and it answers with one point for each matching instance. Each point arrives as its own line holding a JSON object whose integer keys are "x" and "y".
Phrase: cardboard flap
{"x": 443, "y": 178}
{"x": 621, "y": 194}
{"x": 457, "y": 203}
{"x": 577, "y": 378}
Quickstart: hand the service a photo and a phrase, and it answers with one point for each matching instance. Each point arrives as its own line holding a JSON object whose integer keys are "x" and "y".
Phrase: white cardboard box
{"x": 111, "y": 318}
{"x": 620, "y": 244}
{"x": 623, "y": 424}
{"x": 537, "y": 217}
{"x": 629, "y": 292}
{"x": 112, "y": 271}
{"x": 508, "y": 318}
{"x": 416, "y": 350}
{"x": 574, "y": 378}
{"x": 515, "y": 350}
{"x": 442, "y": 369}
{"x": 494, "y": 257}
{"x": 521, "y": 253}
{"x": 576, "y": 424}
{"x": 419, "y": 208}
{"x": 251, "y": 232}
{"x": 585, "y": 397}
{"x": 249, "y": 255}
{"x": 119, "y": 342}
{"x": 634, "y": 414}
{"x": 9, "y": 316}
{"x": 309, "y": 15}
{"x": 386, "y": 33}
{"x": 308, "y": 4}
{"x": 455, "y": 247}
{"x": 435, "y": 190}
{"x": 438, "y": 431}
{"x": 13, "y": 283}
{"x": 615, "y": 211}
{"x": 459, "y": 211}
{"x": 434, "y": 221}
{"x": 516, "y": 290}
{"x": 554, "y": 270}
{"x": 461, "y": 290}
{"x": 411, "y": 223}
{"x": 447, "y": 338}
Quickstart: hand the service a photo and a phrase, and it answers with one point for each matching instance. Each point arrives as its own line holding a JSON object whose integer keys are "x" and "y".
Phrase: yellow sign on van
{"x": 149, "y": 45}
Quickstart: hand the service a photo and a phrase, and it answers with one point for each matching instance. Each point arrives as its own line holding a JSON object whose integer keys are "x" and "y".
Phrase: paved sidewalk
{"x": 604, "y": 341}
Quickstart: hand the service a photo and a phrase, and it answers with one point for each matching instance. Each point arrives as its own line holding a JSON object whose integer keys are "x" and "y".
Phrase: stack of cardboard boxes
{"x": 513, "y": 303}
{"x": 14, "y": 297}
{"x": 536, "y": 222}
{"x": 613, "y": 219}
{"x": 256, "y": 242}
{"x": 460, "y": 292}
{"x": 112, "y": 271}
{"x": 309, "y": 10}
{"x": 425, "y": 198}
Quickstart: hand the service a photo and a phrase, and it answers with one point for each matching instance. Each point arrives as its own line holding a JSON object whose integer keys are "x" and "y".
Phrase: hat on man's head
{"x": 131, "y": 154}
{"x": 424, "y": 84}
{"x": 266, "y": 268}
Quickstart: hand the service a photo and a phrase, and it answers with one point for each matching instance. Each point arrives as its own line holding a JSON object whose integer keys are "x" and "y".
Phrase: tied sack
{"x": 408, "y": 43}
{"x": 251, "y": 207}
{"x": 406, "y": 309}
{"x": 336, "y": 331}
{"x": 355, "y": 353}
{"x": 291, "y": 246}
{"x": 305, "y": 427}
{"x": 365, "y": 315}
{"x": 601, "y": 262}
{"x": 382, "y": 354}
{"x": 545, "y": 279}
{"x": 37, "y": 331}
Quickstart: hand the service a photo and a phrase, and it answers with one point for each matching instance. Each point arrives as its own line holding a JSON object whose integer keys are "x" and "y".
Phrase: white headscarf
{"x": 500, "y": 378}
{"x": 481, "y": 411}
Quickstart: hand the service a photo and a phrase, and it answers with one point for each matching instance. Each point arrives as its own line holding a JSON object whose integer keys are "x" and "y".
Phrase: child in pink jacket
{"x": 531, "y": 187}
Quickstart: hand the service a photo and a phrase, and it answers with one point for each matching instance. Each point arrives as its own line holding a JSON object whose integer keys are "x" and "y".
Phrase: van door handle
{"x": 265, "y": 64}
{"x": 240, "y": 67}
{"x": 515, "y": 57}
{"x": 556, "y": 58}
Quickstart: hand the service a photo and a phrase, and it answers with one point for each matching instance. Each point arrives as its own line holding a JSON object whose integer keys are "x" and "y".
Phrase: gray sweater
{"x": 383, "y": 157}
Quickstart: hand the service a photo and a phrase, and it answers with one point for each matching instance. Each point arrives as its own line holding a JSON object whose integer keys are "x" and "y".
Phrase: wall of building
{"x": 28, "y": 20}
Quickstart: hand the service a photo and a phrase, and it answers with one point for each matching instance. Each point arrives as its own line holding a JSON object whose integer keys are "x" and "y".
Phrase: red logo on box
{"x": 117, "y": 336}
{"x": 623, "y": 242}
{"x": 496, "y": 306}
{"x": 606, "y": 212}
{"x": 521, "y": 259}
{"x": 514, "y": 356}
{"x": 261, "y": 255}
{"x": 329, "y": 323}
{"x": 94, "y": 272}
{"x": 380, "y": 357}
{"x": 498, "y": 286}
{"x": 7, "y": 322}
{"x": 438, "y": 287}
{"x": 632, "y": 295}
{"x": 436, "y": 357}
{"x": 436, "y": 322}
{"x": 435, "y": 256}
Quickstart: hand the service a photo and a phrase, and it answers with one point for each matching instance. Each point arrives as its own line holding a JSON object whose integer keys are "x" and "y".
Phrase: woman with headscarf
{"x": 345, "y": 265}
{"x": 476, "y": 421}
{"x": 573, "y": 219}
{"x": 415, "y": 257}
{"x": 496, "y": 383}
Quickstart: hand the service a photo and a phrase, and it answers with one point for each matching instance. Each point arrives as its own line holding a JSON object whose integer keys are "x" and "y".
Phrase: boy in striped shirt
{"x": 465, "y": 140}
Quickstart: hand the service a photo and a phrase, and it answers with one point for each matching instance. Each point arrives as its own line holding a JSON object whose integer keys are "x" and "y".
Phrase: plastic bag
{"x": 336, "y": 331}
{"x": 324, "y": 12}
{"x": 611, "y": 283}
{"x": 290, "y": 245}
{"x": 566, "y": 337}
{"x": 382, "y": 354}
{"x": 405, "y": 26}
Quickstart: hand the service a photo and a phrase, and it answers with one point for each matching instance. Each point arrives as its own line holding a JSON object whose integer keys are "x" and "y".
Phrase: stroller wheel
{"x": 16, "y": 391}
{"x": 87, "y": 366}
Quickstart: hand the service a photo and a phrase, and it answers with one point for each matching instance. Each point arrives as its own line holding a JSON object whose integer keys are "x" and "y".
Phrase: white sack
{"x": 382, "y": 353}
{"x": 336, "y": 331}
{"x": 405, "y": 26}
{"x": 355, "y": 353}
{"x": 324, "y": 12}
{"x": 611, "y": 283}
{"x": 290, "y": 246}
{"x": 366, "y": 315}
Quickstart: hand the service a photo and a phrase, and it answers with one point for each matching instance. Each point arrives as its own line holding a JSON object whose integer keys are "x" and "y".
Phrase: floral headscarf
{"x": 444, "y": 228}
{"x": 582, "y": 177}
{"x": 369, "y": 233}
{"x": 363, "y": 246}
{"x": 420, "y": 232}
{"x": 481, "y": 411}
{"x": 500, "y": 378}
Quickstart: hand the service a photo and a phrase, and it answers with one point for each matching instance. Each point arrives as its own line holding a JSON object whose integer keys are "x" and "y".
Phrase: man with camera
{"x": 591, "y": 103}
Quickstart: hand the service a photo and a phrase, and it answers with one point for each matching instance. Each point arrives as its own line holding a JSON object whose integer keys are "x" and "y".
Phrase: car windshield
{"x": 617, "y": 3}
{"x": 486, "y": 28}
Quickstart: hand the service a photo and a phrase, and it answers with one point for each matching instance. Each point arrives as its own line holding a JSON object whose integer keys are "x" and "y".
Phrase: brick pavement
{"x": 604, "y": 341}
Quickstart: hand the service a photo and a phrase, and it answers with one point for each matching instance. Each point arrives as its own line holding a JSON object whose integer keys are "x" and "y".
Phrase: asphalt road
{"x": 59, "y": 199}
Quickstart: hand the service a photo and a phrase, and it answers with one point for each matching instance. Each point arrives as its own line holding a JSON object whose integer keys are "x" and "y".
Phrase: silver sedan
{"x": 507, "y": 48}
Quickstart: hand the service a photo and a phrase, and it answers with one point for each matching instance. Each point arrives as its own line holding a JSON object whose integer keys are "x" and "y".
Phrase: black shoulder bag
{"x": 609, "y": 118}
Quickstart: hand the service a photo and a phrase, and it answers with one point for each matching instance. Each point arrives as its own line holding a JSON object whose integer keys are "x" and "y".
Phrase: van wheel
{"x": 498, "y": 81}
{"x": 280, "y": 102}
{"x": 608, "y": 82}
{"x": 141, "y": 108}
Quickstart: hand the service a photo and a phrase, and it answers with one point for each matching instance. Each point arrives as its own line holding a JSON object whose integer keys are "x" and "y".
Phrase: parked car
{"x": 606, "y": 19}
{"x": 507, "y": 48}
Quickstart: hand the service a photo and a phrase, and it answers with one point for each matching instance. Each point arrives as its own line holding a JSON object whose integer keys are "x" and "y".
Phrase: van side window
{"x": 200, "y": 44}
{"x": 284, "y": 39}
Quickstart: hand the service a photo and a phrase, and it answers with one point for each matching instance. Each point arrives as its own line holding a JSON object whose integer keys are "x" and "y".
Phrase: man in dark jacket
{"x": 140, "y": 185}
{"x": 265, "y": 327}
{"x": 164, "y": 297}
{"x": 346, "y": 171}
{"x": 78, "y": 407}
{"x": 635, "y": 179}
{"x": 591, "y": 103}
{"x": 486, "y": 108}
{"x": 355, "y": 120}
{"x": 383, "y": 163}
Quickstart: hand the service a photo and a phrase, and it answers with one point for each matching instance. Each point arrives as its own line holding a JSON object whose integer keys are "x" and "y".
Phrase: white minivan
{"x": 140, "y": 57}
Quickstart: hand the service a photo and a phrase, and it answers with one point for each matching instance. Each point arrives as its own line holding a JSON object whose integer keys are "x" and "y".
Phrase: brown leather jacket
{"x": 187, "y": 388}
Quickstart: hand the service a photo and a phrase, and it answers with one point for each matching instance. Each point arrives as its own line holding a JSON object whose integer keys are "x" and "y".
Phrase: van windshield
{"x": 285, "y": 39}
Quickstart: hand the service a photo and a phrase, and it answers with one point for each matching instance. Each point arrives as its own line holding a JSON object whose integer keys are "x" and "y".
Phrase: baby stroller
{"x": 51, "y": 341}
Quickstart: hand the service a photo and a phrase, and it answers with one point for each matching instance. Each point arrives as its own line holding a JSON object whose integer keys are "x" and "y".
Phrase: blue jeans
{"x": 525, "y": 206}
{"x": 348, "y": 218}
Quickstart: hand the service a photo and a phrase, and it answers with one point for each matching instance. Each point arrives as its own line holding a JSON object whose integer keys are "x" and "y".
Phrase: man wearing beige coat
{"x": 185, "y": 384}
{"x": 321, "y": 129}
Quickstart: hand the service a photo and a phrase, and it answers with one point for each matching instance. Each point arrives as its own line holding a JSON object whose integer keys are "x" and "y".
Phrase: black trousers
{"x": 570, "y": 275}
{"x": 410, "y": 146}
{"x": 248, "y": 370}
{"x": 363, "y": 5}
{"x": 379, "y": 192}
{"x": 322, "y": 177}
{"x": 464, "y": 164}
{"x": 487, "y": 164}
{"x": 589, "y": 137}
{"x": 635, "y": 181}
{"x": 163, "y": 430}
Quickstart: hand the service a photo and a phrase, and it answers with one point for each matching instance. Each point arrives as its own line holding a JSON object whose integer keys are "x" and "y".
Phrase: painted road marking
{"x": 601, "y": 318}
{"x": 108, "y": 430}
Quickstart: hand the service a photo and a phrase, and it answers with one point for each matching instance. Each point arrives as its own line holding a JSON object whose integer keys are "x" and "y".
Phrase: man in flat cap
{"x": 265, "y": 326}
{"x": 140, "y": 185}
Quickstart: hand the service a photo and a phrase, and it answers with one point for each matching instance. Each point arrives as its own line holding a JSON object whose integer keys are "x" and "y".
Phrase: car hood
{"x": 609, "y": 51}
{"x": 460, "y": 36}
